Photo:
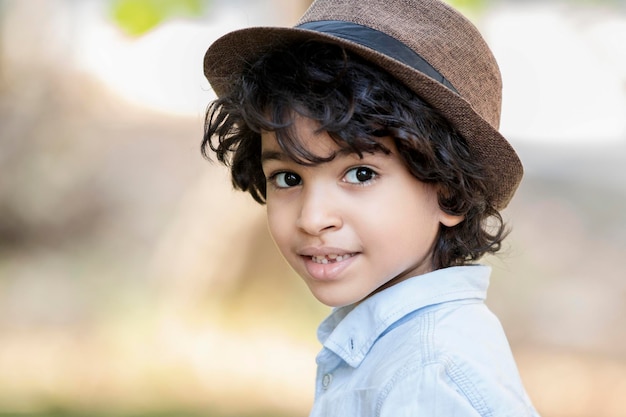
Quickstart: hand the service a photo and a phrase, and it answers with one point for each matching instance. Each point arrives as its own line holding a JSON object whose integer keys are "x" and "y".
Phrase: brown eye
{"x": 360, "y": 175}
{"x": 287, "y": 179}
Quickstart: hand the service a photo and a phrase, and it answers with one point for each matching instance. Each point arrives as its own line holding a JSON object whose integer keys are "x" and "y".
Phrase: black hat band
{"x": 380, "y": 42}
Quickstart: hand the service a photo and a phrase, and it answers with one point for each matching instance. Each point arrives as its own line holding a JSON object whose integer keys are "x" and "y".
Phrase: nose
{"x": 319, "y": 211}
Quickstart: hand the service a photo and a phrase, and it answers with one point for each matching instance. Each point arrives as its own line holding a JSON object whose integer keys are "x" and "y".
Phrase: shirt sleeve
{"x": 442, "y": 389}
{"x": 426, "y": 392}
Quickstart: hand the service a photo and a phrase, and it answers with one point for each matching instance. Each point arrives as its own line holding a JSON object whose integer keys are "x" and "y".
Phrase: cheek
{"x": 278, "y": 223}
{"x": 419, "y": 212}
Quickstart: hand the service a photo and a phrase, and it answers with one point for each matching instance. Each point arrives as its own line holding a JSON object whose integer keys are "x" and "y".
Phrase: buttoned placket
{"x": 327, "y": 363}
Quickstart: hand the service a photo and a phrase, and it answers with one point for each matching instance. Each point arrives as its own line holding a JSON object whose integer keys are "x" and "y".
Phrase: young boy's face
{"x": 351, "y": 226}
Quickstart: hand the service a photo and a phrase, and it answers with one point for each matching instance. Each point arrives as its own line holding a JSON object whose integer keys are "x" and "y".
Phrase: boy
{"x": 370, "y": 131}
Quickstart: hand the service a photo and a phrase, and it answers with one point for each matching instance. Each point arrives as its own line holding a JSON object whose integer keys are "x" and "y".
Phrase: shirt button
{"x": 327, "y": 380}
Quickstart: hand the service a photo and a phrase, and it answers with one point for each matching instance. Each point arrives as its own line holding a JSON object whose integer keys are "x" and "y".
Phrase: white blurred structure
{"x": 564, "y": 70}
{"x": 564, "y": 66}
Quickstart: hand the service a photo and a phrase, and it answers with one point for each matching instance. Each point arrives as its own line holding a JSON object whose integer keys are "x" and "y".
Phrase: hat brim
{"x": 227, "y": 58}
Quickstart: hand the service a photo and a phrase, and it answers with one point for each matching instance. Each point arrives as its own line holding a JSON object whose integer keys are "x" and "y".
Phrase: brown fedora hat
{"x": 426, "y": 44}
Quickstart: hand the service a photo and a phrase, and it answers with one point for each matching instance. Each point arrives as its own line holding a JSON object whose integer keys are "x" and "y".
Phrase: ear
{"x": 450, "y": 220}
{"x": 446, "y": 219}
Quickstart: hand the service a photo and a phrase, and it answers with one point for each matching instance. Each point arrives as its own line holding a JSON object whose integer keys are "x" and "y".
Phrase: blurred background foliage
{"x": 137, "y": 17}
{"x": 134, "y": 282}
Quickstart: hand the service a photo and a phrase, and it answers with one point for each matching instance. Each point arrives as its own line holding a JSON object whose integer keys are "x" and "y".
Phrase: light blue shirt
{"x": 425, "y": 347}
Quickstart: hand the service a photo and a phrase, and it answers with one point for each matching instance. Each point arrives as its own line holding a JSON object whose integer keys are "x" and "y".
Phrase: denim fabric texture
{"x": 425, "y": 347}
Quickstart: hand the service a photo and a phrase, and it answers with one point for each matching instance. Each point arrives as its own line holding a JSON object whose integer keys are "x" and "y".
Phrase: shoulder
{"x": 458, "y": 363}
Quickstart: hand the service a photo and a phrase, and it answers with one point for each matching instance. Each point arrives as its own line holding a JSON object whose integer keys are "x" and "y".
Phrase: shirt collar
{"x": 350, "y": 331}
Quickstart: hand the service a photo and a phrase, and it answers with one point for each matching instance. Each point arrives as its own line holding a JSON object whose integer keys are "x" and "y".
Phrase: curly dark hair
{"x": 356, "y": 103}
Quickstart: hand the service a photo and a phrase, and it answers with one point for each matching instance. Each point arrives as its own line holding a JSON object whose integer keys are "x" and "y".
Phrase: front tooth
{"x": 320, "y": 259}
{"x": 329, "y": 258}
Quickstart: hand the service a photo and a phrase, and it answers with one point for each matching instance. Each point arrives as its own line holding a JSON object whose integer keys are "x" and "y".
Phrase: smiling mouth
{"x": 328, "y": 259}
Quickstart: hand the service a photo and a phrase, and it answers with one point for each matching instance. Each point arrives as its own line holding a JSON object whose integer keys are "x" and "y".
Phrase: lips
{"x": 326, "y": 264}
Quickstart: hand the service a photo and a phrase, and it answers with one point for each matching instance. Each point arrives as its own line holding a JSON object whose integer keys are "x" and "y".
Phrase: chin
{"x": 333, "y": 301}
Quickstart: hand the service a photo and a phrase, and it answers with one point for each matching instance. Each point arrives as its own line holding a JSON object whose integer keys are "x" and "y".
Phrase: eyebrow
{"x": 272, "y": 156}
